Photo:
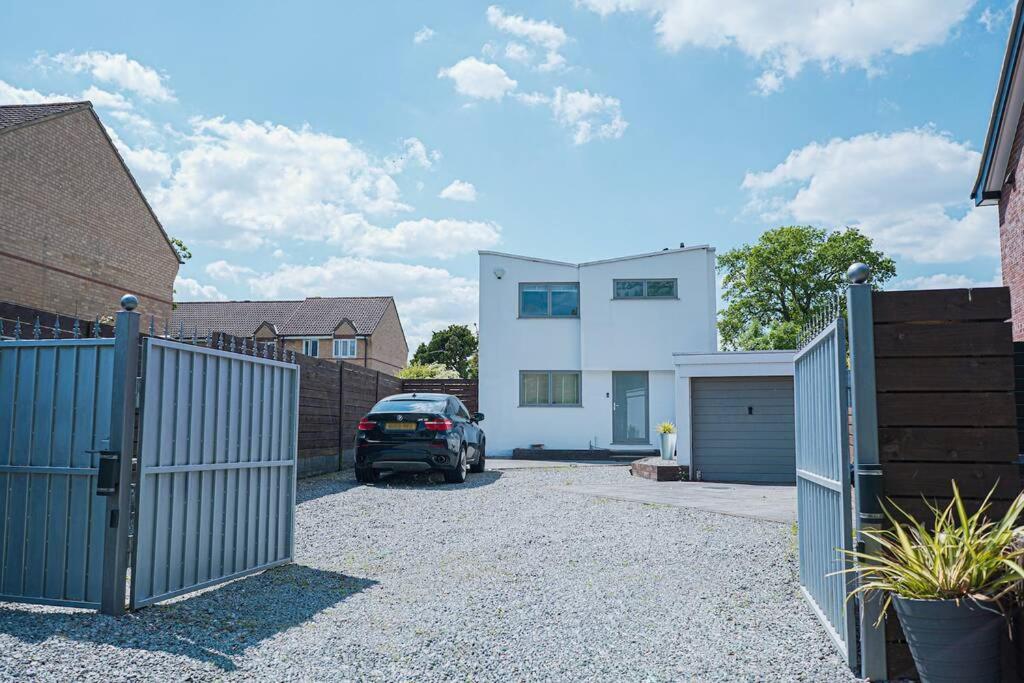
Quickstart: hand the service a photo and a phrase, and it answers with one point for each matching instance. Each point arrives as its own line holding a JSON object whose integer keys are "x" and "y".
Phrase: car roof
{"x": 417, "y": 395}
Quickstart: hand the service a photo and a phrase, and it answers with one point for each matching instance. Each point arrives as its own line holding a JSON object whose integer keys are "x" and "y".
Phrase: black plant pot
{"x": 951, "y": 641}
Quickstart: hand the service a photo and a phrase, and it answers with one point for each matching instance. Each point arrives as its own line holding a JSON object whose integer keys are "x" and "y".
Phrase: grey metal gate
{"x": 216, "y": 468}
{"x": 55, "y": 415}
{"x": 824, "y": 505}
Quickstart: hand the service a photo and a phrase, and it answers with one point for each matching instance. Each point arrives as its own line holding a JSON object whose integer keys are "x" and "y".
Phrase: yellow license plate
{"x": 400, "y": 426}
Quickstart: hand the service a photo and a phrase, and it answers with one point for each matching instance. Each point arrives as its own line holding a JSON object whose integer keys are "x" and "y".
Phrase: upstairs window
{"x": 549, "y": 300}
{"x": 344, "y": 348}
{"x": 311, "y": 347}
{"x": 646, "y": 289}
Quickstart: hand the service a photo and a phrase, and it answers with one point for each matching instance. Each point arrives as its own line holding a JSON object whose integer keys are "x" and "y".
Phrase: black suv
{"x": 419, "y": 433}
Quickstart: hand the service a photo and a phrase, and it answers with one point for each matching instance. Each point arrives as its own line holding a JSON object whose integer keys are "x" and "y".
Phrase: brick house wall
{"x": 1011, "y": 233}
{"x": 388, "y": 351}
{"x": 75, "y": 233}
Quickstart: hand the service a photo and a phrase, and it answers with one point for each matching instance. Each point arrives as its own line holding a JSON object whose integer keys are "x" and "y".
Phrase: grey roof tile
{"x": 309, "y": 317}
{"x": 12, "y": 115}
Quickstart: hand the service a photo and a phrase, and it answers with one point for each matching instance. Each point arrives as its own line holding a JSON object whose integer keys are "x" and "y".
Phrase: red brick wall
{"x": 1011, "y": 234}
{"x": 74, "y": 233}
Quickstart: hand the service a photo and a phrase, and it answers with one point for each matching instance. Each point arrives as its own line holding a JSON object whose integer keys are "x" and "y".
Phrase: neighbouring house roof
{"x": 1002, "y": 125}
{"x": 310, "y": 317}
{"x": 14, "y": 116}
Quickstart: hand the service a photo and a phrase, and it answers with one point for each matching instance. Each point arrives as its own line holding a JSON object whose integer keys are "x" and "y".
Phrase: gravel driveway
{"x": 506, "y": 578}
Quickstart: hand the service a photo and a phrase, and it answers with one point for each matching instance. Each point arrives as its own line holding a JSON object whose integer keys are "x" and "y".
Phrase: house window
{"x": 549, "y": 388}
{"x": 344, "y": 348}
{"x": 645, "y": 289}
{"x": 311, "y": 347}
{"x": 549, "y": 300}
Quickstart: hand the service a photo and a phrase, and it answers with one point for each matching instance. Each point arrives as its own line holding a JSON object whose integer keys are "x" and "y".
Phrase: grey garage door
{"x": 743, "y": 429}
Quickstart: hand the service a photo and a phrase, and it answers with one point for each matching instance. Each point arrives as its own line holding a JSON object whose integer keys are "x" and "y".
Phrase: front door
{"x": 629, "y": 408}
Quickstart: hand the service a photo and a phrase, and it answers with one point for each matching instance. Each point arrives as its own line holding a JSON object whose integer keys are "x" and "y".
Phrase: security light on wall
{"x": 499, "y": 273}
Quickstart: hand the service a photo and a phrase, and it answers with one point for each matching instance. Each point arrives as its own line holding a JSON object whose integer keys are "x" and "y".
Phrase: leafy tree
{"x": 184, "y": 254}
{"x": 772, "y": 288}
{"x": 453, "y": 347}
{"x": 427, "y": 371}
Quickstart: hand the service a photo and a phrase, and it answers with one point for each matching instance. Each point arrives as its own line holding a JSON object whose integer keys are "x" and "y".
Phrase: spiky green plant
{"x": 958, "y": 556}
{"x": 666, "y": 428}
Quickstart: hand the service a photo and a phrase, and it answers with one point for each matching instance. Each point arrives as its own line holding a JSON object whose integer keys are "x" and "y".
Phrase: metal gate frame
{"x": 824, "y": 498}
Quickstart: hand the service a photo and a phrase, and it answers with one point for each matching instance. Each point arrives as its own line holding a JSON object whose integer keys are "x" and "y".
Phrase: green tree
{"x": 773, "y": 287}
{"x": 184, "y": 254}
{"x": 453, "y": 347}
{"x": 427, "y": 371}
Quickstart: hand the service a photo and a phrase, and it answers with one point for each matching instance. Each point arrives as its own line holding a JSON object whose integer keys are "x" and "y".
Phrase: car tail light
{"x": 366, "y": 425}
{"x": 438, "y": 424}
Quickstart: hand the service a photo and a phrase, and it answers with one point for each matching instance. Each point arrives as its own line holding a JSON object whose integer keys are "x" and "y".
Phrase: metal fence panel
{"x": 824, "y": 522}
{"x": 55, "y": 402}
{"x": 217, "y": 465}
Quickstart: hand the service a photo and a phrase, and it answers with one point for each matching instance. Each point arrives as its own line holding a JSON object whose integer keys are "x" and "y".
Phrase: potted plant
{"x": 951, "y": 583}
{"x": 667, "y": 430}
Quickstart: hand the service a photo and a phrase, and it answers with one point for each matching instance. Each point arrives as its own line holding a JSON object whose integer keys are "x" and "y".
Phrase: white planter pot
{"x": 668, "y": 446}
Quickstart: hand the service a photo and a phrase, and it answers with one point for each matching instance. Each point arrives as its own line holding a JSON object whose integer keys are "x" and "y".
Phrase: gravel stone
{"x": 504, "y": 578}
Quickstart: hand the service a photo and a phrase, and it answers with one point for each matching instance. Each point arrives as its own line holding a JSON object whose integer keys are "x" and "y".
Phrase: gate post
{"x": 122, "y": 445}
{"x": 868, "y": 482}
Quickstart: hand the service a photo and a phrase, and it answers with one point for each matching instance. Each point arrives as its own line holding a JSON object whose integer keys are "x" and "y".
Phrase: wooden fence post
{"x": 341, "y": 414}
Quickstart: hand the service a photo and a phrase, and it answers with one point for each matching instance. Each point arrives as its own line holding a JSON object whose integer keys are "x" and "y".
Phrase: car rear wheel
{"x": 458, "y": 475}
{"x": 367, "y": 475}
{"x": 481, "y": 462}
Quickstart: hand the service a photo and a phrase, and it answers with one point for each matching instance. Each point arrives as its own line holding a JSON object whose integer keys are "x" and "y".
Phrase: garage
{"x": 743, "y": 429}
{"x": 734, "y": 415}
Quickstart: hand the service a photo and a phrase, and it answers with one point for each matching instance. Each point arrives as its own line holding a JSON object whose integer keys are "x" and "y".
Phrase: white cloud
{"x": 482, "y": 80}
{"x": 946, "y": 281}
{"x": 441, "y": 239}
{"x": 105, "y": 98}
{"x": 423, "y": 35}
{"x": 222, "y": 270}
{"x": 120, "y": 70}
{"x": 414, "y": 151}
{"x": 251, "y": 180}
{"x": 459, "y": 191}
{"x": 994, "y": 19}
{"x": 518, "y": 52}
{"x": 10, "y": 94}
{"x": 428, "y": 298}
{"x": 588, "y": 115}
{"x": 785, "y": 35}
{"x": 543, "y": 34}
{"x": 908, "y": 190}
{"x": 149, "y": 167}
{"x": 189, "y": 289}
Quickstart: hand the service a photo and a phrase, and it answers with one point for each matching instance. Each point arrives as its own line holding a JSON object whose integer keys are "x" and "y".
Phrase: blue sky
{"x": 314, "y": 148}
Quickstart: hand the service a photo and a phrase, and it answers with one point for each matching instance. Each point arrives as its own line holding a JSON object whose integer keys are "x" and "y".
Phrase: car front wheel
{"x": 458, "y": 475}
{"x": 367, "y": 475}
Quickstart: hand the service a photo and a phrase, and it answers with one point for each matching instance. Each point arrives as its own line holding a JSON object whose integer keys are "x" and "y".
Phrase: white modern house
{"x": 582, "y": 356}
{"x": 579, "y": 355}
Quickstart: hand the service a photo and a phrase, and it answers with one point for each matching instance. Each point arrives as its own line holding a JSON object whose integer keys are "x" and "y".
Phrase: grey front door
{"x": 629, "y": 408}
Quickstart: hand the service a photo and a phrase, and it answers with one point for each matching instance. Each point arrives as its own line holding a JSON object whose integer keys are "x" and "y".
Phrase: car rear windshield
{"x": 409, "y": 406}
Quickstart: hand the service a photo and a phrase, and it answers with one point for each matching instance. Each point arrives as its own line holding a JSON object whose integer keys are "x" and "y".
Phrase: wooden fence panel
{"x": 946, "y": 406}
{"x": 467, "y": 390}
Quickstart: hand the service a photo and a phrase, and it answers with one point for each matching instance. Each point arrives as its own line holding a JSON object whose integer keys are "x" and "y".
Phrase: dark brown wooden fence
{"x": 12, "y": 314}
{"x": 944, "y": 367}
{"x": 467, "y": 390}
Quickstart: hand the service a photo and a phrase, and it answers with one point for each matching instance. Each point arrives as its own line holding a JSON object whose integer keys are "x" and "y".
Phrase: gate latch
{"x": 109, "y": 473}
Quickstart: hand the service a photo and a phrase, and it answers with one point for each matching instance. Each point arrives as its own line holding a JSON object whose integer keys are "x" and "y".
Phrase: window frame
{"x": 338, "y": 343}
{"x": 306, "y": 342}
{"x": 548, "y": 286}
{"x": 551, "y": 388}
{"x": 645, "y": 295}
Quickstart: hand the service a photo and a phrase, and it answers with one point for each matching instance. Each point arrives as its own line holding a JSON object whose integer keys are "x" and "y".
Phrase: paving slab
{"x": 519, "y": 464}
{"x": 754, "y": 501}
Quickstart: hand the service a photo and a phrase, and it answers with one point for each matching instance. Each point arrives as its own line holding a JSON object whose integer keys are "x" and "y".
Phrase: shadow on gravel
{"x": 325, "y": 485}
{"x": 434, "y": 481}
{"x": 216, "y": 626}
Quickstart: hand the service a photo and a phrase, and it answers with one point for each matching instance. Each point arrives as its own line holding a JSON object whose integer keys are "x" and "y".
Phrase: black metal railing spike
{"x": 194, "y": 333}
{"x": 17, "y": 329}
{"x": 76, "y": 329}
{"x": 56, "y": 327}
{"x": 96, "y": 327}
{"x": 220, "y": 341}
{"x": 152, "y": 325}
{"x": 167, "y": 329}
{"x": 231, "y": 344}
{"x": 181, "y": 330}
{"x": 37, "y": 330}
{"x": 265, "y": 350}
{"x": 244, "y": 350}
